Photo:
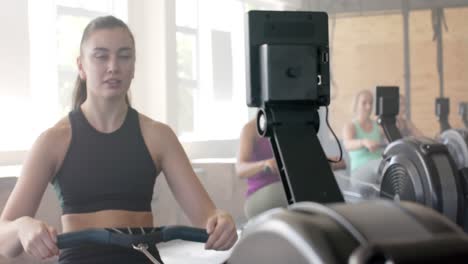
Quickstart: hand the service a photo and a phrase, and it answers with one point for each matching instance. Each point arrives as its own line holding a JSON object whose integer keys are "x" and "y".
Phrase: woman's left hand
{"x": 221, "y": 230}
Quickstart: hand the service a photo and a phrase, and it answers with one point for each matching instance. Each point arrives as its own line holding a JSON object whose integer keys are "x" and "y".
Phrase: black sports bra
{"x": 105, "y": 171}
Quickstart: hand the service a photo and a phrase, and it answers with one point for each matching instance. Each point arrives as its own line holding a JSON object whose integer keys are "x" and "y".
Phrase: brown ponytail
{"x": 79, "y": 93}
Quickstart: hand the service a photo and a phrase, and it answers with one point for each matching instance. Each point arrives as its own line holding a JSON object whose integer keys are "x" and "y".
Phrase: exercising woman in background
{"x": 363, "y": 140}
{"x": 257, "y": 164}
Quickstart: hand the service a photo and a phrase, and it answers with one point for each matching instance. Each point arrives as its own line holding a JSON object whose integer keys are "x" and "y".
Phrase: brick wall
{"x": 368, "y": 51}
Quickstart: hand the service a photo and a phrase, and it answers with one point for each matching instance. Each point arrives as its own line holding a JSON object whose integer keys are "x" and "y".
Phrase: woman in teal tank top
{"x": 359, "y": 157}
{"x": 363, "y": 140}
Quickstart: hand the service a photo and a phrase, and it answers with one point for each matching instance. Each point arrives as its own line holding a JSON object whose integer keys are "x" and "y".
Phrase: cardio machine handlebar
{"x": 127, "y": 237}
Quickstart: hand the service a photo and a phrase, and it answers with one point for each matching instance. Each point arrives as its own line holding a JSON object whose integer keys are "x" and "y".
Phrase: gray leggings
{"x": 265, "y": 198}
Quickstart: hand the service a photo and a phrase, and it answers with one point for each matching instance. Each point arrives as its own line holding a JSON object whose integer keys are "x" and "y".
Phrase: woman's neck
{"x": 363, "y": 119}
{"x": 105, "y": 116}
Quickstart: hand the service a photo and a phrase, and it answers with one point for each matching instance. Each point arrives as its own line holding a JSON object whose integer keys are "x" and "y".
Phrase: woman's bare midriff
{"x": 106, "y": 218}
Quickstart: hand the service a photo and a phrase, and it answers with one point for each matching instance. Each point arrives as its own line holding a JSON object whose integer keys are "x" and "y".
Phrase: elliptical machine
{"x": 288, "y": 55}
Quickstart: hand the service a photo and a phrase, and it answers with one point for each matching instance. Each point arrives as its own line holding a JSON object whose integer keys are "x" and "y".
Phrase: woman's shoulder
{"x": 350, "y": 125}
{"x": 148, "y": 124}
{"x": 54, "y": 141}
{"x": 156, "y": 134}
{"x": 60, "y": 131}
{"x": 250, "y": 127}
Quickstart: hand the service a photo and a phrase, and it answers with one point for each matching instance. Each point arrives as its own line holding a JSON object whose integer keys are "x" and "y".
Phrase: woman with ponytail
{"x": 103, "y": 160}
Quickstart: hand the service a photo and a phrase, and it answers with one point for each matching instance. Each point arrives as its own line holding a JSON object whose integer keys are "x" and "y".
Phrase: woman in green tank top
{"x": 363, "y": 140}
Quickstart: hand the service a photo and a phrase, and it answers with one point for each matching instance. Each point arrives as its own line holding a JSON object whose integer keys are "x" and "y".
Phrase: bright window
{"x": 210, "y": 97}
{"x": 43, "y": 71}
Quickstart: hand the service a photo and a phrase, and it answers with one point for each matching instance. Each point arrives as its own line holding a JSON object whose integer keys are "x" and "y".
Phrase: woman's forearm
{"x": 353, "y": 144}
{"x": 250, "y": 169}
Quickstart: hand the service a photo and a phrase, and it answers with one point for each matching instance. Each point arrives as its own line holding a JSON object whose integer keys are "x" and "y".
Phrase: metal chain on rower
{"x": 143, "y": 248}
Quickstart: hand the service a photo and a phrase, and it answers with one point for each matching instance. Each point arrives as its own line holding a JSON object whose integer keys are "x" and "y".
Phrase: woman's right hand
{"x": 371, "y": 145}
{"x": 272, "y": 165}
{"x": 37, "y": 238}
